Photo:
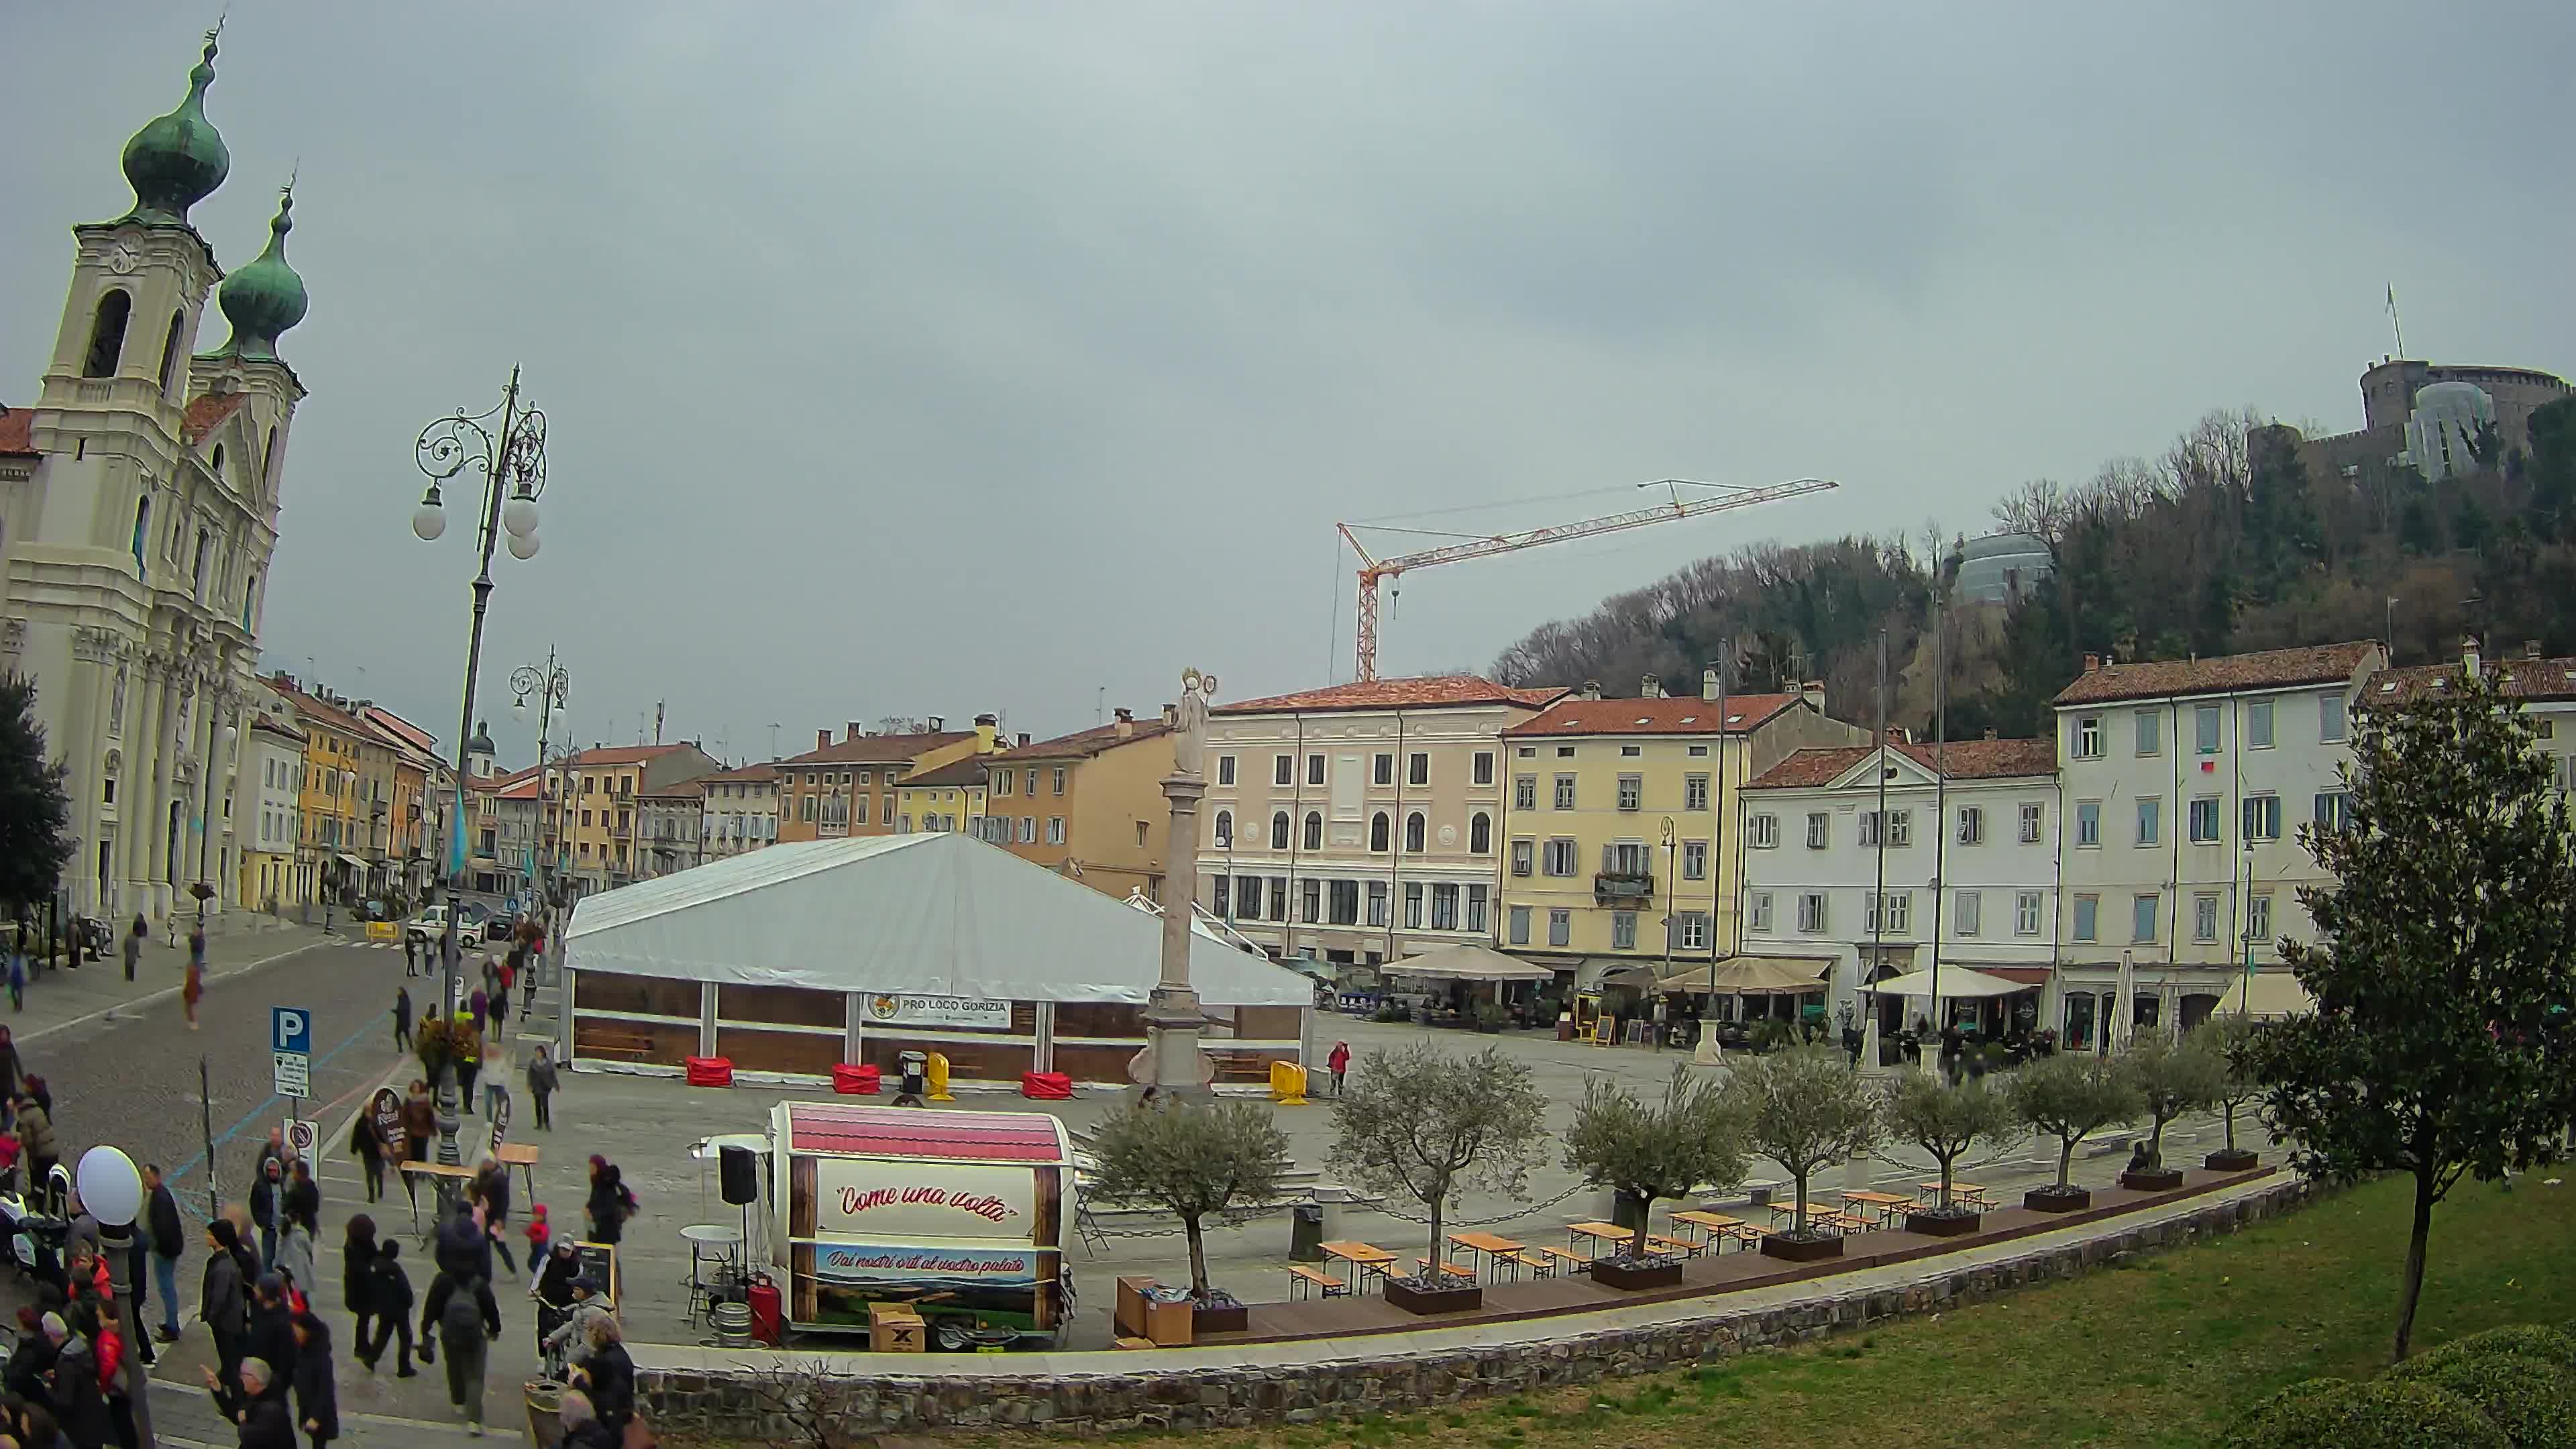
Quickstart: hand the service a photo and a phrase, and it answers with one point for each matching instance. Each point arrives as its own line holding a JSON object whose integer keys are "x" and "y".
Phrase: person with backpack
{"x": 465, "y": 1320}
{"x": 388, "y": 1298}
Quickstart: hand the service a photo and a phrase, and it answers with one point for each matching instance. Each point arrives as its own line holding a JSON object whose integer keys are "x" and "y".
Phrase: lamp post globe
{"x": 429, "y": 520}
{"x": 519, "y": 515}
{"x": 109, "y": 1186}
{"x": 523, "y": 546}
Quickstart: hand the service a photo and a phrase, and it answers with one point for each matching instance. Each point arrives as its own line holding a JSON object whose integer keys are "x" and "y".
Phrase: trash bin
{"x": 1626, "y": 1211}
{"x": 1306, "y": 1233}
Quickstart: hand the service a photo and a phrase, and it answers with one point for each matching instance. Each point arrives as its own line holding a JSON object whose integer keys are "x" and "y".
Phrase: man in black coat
{"x": 256, "y": 1402}
{"x": 272, "y": 1332}
{"x": 169, "y": 1239}
{"x": 389, "y": 1299}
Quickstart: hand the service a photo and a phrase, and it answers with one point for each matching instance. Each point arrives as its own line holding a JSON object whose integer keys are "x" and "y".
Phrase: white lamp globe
{"x": 523, "y": 545}
{"x": 519, "y": 515}
{"x": 109, "y": 1186}
{"x": 428, "y": 521}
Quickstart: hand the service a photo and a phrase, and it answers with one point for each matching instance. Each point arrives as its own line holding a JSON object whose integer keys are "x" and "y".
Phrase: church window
{"x": 216, "y": 466}
{"x": 142, "y": 523}
{"x": 170, "y": 350}
{"x": 107, "y": 334}
{"x": 268, "y": 460}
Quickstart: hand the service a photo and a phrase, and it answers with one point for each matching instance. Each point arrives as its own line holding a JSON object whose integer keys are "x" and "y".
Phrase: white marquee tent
{"x": 932, "y": 914}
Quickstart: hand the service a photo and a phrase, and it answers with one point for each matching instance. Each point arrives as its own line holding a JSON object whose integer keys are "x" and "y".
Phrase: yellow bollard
{"x": 936, "y": 1069}
{"x": 1288, "y": 1084}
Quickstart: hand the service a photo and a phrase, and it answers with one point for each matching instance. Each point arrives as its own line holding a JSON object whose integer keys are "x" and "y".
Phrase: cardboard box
{"x": 896, "y": 1328}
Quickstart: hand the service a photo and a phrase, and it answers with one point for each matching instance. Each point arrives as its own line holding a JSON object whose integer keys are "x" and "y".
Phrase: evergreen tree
{"x": 2444, "y": 965}
{"x": 35, "y": 814}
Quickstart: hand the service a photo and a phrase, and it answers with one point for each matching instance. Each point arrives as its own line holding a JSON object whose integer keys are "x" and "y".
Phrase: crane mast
{"x": 1373, "y": 570}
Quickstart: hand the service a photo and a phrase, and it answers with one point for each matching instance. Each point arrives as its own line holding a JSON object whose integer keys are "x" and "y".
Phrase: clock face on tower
{"x": 121, "y": 258}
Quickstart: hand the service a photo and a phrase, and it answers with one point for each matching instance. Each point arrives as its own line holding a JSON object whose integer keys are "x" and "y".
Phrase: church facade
{"x": 138, "y": 515}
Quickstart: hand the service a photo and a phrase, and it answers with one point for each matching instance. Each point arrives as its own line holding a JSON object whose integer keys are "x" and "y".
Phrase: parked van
{"x": 960, "y": 1215}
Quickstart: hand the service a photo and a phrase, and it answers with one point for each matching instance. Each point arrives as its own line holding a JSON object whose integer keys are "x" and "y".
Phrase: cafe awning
{"x": 1957, "y": 982}
{"x": 2271, "y": 993}
{"x": 1468, "y": 962}
{"x": 1751, "y": 976}
{"x": 351, "y": 861}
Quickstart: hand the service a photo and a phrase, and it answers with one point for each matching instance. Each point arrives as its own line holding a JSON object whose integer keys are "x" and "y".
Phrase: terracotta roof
{"x": 680, "y": 789}
{"x": 2270, "y": 669}
{"x": 207, "y": 412}
{"x": 754, "y": 773}
{"x": 2535, "y": 679}
{"x": 1961, "y": 759}
{"x": 968, "y": 771}
{"x": 1083, "y": 744}
{"x": 17, "y": 433}
{"x": 522, "y": 789}
{"x": 318, "y": 709}
{"x": 878, "y": 749}
{"x": 621, "y": 755}
{"x": 278, "y": 727}
{"x": 1668, "y": 716}
{"x": 1427, "y": 692}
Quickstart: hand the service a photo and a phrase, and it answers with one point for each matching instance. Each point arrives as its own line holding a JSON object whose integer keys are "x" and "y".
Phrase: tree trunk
{"x": 2227, "y": 1114}
{"x": 1198, "y": 1256}
{"x": 1798, "y": 1219}
{"x": 1645, "y": 1216}
{"x": 1431, "y": 1275}
{"x": 1946, "y": 1165}
{"x": 2065, "y": 1160}
{"x": 2156, "y": 1143}
{"x": 2410, "y": 1289}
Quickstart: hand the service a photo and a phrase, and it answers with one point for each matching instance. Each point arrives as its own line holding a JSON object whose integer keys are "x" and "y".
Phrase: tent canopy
{"x": 1751, "y": 976}
{"x": 1956, "y": 982}
{"x": 933, "y": 914}
{"x": 2271, "y": 993}
{"x": 1468, "y": 961}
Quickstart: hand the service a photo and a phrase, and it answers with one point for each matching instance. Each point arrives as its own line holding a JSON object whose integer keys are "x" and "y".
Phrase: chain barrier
{"x": 1462, "y": 1223}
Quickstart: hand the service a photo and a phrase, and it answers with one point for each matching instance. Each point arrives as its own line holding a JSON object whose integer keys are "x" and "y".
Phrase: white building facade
{"x": 270, "y": 813}
{"x": 2185, "y": 784}
{"x": 740, "y": 811}
{"x": 138, "y": 513}
{"x": 1961, "y": 867}
{"x": 1360, "y": 824}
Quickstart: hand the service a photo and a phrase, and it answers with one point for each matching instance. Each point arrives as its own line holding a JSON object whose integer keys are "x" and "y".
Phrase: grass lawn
{"x": 2159, "y": 1354}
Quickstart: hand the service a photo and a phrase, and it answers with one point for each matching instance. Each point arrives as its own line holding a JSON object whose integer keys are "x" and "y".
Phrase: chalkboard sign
{"x": 500, "y": 1120}
{"x": 386, "y": 1109}
{"x": 599, "y": 1263}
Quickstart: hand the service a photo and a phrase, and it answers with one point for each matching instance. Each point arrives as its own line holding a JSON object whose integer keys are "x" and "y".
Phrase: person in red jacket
{"x": 1338, "y": 1063}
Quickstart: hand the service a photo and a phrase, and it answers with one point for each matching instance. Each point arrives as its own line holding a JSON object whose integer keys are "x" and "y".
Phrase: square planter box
{"x": 1406, "y": 1294}
{"x": 1943, "y": 1225}
{"x": 2231, "y": 1159}
{"x": 1220, "y": 1318}
{"x": 1802, "y": 1250}
{"x": 2161, "y": 1179}
{"x": 1625, "y": 1273}
{"x": 2050, "y": 1200}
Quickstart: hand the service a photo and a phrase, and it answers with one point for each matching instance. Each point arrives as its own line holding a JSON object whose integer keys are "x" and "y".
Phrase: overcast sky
{"x": 935, "y": 358}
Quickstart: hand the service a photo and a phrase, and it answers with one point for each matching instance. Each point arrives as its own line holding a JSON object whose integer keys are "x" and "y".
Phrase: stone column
{"x": 1173, "y": 1019}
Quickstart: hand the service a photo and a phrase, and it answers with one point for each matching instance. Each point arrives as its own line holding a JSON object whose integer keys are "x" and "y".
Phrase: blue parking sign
{"x": 290, "y": 1029}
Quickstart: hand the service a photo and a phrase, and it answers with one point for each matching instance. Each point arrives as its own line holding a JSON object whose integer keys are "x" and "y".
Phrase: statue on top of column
{"x": 1189, "y": 740}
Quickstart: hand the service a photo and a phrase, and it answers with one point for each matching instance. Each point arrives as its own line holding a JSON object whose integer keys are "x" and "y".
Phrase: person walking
{"x": 1338, "y": 1063}
{"x": 610, "y": 1204}
{"x": 466, "y": 1320}
{"x": 469, "y": 1056}
{"x": 194, "y": 987}
{"x": 357, "y": 1261}
{"x": 411, "y": 955}
{"x": 134, "y": 946}
{"x": 607, "y": 1374}
{"x": 542, "y": 1084}
{"x": 367, "y": 1144}
{"x": 223, "y": 1296}
{"x": 272, "y": 1331}
{"x": 9, "y": 1066}
{"x": 295, "y": 1260}
{"x": 388, "y": 1294}
{"x": 267, "y": 1193}
{"x": 419, "y": 1121}
{"x": 17, "y": 979}
{"x": 317, "y": 1400}
{"x": 35, "y": 1137}
{"x": 169, "y": 1240}
{"x": 493, "y": 1186}
{"x": 402, "y": 1020}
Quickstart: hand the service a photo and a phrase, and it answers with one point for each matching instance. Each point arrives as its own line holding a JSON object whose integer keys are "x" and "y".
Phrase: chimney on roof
{"x": 1125, "y": 723}
{"x": 852, "y": 731}
{"x": 1024, "y": 739}
{"x": 1813, "y": 691}
{"x": 1651, "y": 687}
{"x": 1171, "y": 715}
{"x": 988, "y": 733}
{"x": 2092, "y": 663}
{"x": 2530, "y": 648}
{"x": 1708, "y": 686}
{"x": 938, "y": 723}
{"x": 1591, "y": 689}
{"x": 2469, "y": 654}
{"x": 823, "y": 739}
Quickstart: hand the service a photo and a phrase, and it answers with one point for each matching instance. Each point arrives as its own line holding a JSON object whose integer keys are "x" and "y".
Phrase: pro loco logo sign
{"x": 856, "y": 1201}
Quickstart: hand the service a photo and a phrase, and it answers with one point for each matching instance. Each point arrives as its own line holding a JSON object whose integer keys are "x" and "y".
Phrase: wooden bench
{"x": 1845, "y": 1223}
{"x": 1544, "y": 1262}
{"x": 1673, "y": 1247}
{"x": 1447, "y": 1269}
{"x": 1303, "y": 1280}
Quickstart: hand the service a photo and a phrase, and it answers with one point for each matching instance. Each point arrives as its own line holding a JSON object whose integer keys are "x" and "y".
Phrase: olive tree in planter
{"x": 2069, "y": 1097}
{"x": 2230, "y": 1038}
{"x": 2170, "y": 1078}
{"x": 1193, "y": 1162}
{"x": 1647, "y": 1152}
{"x": 1946, "y": 1122}
{"x": 1432, "y": 1126}
{"x": 1807, "y": 1109}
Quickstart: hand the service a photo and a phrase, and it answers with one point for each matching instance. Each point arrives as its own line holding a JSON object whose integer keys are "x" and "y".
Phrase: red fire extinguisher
{"x": 767, "y": 1311}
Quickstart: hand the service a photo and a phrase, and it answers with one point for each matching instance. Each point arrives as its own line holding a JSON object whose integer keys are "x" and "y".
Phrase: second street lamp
{"x": 508, "y": 446}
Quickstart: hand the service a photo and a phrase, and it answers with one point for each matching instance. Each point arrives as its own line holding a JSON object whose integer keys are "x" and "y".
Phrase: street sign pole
{"x": 206, "y": 1121}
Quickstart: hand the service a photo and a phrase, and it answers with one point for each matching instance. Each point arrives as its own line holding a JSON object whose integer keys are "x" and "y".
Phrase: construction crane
{"x": 1470, "y": 545}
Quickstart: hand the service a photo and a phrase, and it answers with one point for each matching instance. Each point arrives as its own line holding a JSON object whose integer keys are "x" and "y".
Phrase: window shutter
{"x": 1609, "y": 859}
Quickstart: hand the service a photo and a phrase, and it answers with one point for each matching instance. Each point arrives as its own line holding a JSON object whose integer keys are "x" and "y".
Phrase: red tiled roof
{"x": 523, "y": 788}
{"x": 17, "y": 433}
{"x": 877, "y": 749}
{"x": 622, "y": 755}
{"x": 1427, "y": 692}
{"x": 1961, "y": 759}
{"x": 765, "y": 770}
{"x": 2534, "y": 679}
{"x": 2270, "y": 669}
{"x": 317, "y": 709}
{"x": 1083, "y": 744}
{"x": 207, "y": 412}
{"x": 1668, "y": 716}
{"x": 278, "y": 727}
{"x": 968, "y": 771}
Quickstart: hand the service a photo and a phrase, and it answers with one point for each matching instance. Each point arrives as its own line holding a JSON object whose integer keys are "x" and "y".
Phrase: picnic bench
{"x": 1303, "y": 1280}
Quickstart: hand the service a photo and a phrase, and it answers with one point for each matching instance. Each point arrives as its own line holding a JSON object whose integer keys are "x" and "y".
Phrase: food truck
{"x": 959, "y": 1215}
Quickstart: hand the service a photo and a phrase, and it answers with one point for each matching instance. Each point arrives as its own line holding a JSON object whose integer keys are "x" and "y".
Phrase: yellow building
{"x": 332, "y": 835}
{"x": 1617, "y": 851}
{"x": 1089, "y": 805}
{"x": 591, "y": 808}
{"x": 947, "y": 797}
{"x": 838, "y": 790}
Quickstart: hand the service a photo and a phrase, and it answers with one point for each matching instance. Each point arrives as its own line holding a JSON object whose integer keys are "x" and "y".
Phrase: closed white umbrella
{"x": 2122, "y": 1013}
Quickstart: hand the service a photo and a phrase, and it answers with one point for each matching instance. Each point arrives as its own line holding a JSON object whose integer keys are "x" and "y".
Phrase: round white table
{"x": 710, "y": 1243}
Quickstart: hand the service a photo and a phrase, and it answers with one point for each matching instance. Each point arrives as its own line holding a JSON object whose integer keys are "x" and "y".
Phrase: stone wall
{"x": 743, "y": 1403}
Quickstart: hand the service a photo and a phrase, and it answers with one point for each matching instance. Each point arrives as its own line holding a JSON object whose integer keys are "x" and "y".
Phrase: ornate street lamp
{"x": 112, "y": 1191}
{"x": 551, "y": 685}
{"x": 508, "y": 446}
